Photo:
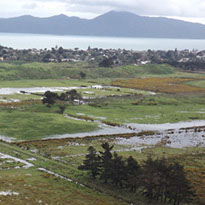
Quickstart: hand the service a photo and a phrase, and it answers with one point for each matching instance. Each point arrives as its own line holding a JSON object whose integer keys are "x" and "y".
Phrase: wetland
{"x": 149, "y": 115}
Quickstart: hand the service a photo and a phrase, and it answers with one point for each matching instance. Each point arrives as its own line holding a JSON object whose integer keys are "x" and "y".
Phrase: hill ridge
{"x": 111, "y": 24}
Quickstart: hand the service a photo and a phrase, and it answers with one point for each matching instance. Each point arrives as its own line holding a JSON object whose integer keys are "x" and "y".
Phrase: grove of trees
{"x": 156, "y": 179}
{"x": 51, "y": 97}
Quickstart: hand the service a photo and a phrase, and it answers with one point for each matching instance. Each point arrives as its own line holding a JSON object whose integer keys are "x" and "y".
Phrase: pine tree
{"x": 133, "y": 174}
{"x": 166, "y": 182}
{"x": 118, "y": 170}
{"x": 106, "y": 161}
{"x": 148, "y": 178}
{"x": 91, "y": 163}
{"x": 180, "y": 189}
{"x": 155, "y": 178}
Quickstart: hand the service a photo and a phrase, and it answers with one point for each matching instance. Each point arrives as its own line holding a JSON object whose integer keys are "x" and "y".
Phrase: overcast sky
{"x": 190, "y": 10}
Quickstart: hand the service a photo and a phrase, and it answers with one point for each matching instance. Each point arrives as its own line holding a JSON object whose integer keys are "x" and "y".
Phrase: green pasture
{"x": 11, "y": 71}
{"x": 145, "y": 110}
{"x": 28, "y": 125}
{"x": 199, "y": 83}
{"x": 36, "y": 187}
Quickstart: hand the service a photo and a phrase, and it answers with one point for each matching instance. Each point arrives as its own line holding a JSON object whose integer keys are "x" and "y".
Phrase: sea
{"x": 40, "y": 41}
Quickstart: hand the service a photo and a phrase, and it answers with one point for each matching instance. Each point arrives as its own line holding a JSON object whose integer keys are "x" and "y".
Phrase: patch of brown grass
{"x": 20, "y": 103}
{"x": 197, "y": 178}
{"x": 165, "y": 85}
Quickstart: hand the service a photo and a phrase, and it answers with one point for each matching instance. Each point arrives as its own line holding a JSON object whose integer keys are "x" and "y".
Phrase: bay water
{"x": 39, "y": 41}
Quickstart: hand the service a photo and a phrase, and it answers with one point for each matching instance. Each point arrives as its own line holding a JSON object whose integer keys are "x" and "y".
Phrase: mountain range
{"x": 112, "y": 24}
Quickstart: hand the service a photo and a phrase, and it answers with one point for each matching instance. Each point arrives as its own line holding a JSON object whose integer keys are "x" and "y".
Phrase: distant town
{"x": 185, "y": 59}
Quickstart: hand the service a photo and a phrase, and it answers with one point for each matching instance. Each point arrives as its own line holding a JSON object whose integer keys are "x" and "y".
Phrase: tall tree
{"x": 180, "y": 189}
{"x": 133, "y": 174}
{"x": 166, "y": 182}
{"x": 82, "y": 75}
{"x": 118, "y": 170}
{"x": 106, "y": 161}
{"x": 91, "y": 162}
{"x": 49, "y": 98}
{"x": 148, "y": 179}
{"x": 74, "y": 95}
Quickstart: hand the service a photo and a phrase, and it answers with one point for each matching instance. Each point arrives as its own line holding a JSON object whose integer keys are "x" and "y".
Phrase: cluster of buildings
{"x": 194, "y": 58}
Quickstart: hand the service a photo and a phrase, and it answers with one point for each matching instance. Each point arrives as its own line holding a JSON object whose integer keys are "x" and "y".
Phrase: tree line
{"x": 156, "y": 179}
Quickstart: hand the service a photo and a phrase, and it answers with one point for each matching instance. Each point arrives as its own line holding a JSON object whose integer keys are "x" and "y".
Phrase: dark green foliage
{"x": 61, "y": 51}
{"x": 107, "y": 62}
{"x": 154, "y": 178}
{"x": 74, "y": 95}
{"x": 82, "y": 75}
{"x": 50, "y": 98}
{"x": 62, "y": 108}
{"x": 63, "y": 97}
{"x": 118, "y": 170}
{"x": 91, "y": 162}
{"x": 180, "y": 190}
{"x": 157, "y": 180}
{"x": 164, "y": 182}
{"x": 133, "y": 174}
{"x": 47, "y": 57}
{"x": 106, "y": 162}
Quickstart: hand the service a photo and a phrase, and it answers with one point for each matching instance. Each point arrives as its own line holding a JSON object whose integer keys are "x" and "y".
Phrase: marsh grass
{"x": 145, "y": 110}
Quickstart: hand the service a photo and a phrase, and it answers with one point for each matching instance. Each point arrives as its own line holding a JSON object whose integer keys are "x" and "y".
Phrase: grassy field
{"x": 43, "y": 83}
{"x": 28, "y": 125}
{"x": 199, "y": 83}
{"x": 72, "y": 152}
{"x": 145, "y": 110}
{"x": 11, "y": 71}
{"x": 36, "y": 187}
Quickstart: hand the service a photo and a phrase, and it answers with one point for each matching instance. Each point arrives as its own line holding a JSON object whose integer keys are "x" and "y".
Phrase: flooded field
{"x": 11, "y": 159}
{"x": 179, "y": 138}
{"x": 176, "y": 135}
{"x": 10, "y": 91}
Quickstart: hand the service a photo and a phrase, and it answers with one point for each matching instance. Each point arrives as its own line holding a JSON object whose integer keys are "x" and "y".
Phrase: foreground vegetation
{"x": 156, "y": 179}
{"x": 33, "y": 186}
{"x": 72, "y": 151}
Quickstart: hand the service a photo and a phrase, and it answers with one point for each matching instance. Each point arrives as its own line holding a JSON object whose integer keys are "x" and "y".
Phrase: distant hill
{"x": 114, "y": 24}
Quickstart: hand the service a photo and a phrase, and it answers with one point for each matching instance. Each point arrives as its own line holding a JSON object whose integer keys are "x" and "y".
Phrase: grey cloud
{"x": 92, "y": 8}
{"x": 192, "y": 8}
{"x": 30, "y": 6}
